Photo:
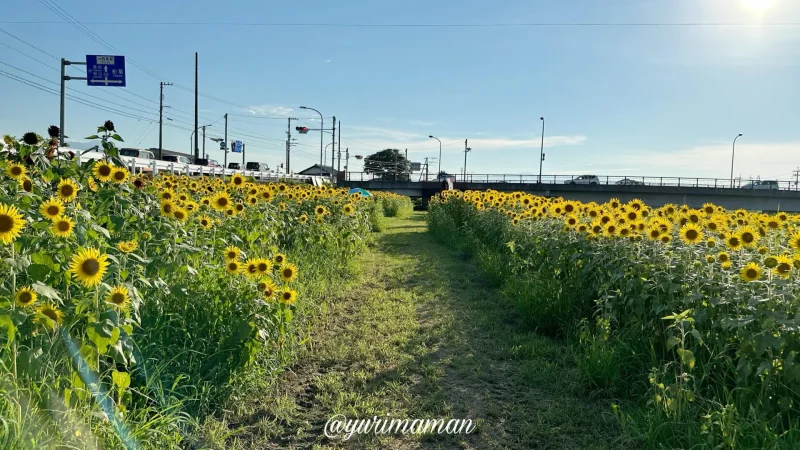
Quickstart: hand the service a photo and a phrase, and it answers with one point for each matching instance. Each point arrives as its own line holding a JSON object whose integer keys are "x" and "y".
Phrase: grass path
{"x": 419, "y": 334}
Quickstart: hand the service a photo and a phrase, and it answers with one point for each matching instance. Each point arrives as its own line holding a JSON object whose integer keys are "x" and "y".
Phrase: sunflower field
{"x": 687, "y": 319}
{"x": 129, "y": 303}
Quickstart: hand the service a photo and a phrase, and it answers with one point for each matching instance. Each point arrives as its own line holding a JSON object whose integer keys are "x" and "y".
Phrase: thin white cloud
{"x": 327, "y": 60}
{"x": 269, "y": 110}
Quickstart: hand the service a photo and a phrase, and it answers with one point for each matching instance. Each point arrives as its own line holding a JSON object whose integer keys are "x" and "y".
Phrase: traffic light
{"x": 302, "y": 130}
{"x": 543, "y": 156}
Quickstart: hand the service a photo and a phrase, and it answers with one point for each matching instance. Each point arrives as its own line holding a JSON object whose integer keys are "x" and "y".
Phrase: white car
{"x": 764, "y": 184}
{"x": 584, "y": 179}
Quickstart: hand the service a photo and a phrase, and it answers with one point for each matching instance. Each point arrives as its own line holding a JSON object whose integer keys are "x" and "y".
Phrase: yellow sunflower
{"x": 348, "y": 209}
{"x": 62, "y": 226}
{"x": 102, "y": 170}
{"x": 89, "y": 266}
{"x": 26, "y": 184}
{"x": 723, "y": 257}
{"x": 233, "y": 267}
{"x": 232, "y": 253}
{"x": 11, "y": 223}
{"x": 710, "y": 259}
{"x": 784, "y": 267}
{"x": 320, "y": 210}
{"x": 167, "y": 207}
{"x": 50, "y": 315}
{"x": 251, "y": 267}
{"x": 24, "y": 297}
{"x": 748, "y": 236}
{"x": 180, "y": 214}
{"x": 120, "y": 175}
{"x": 237, "y": 181}
{"x": 67, "y": 189}
{"x": 205, "y": 221}
{"x": 288, "y": 272}
{"x": 303, "y": 218}
{"x": 127, "y": 246}
{"x": 691, "y": 233}
{"x": 733, "y": 242}
{"x": 52, "y": 208}
{"x": 750, "y": 272}
{"x": 266, "y": 285}
{"x": 279, "y": 259}
{"x": 221, "y": 201}
{"x": 118, "y": 297}
{"x": 794, "y": 241}
{"x": 288, "y": 296}
{"x": 15, "y": 171}
{"x": 92, "y": 184}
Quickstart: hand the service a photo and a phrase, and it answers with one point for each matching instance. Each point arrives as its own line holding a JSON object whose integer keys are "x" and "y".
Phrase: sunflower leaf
{"x": 45, "y": 291}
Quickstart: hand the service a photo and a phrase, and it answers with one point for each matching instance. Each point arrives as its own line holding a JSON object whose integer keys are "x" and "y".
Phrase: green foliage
{"x": 696, "y": 359}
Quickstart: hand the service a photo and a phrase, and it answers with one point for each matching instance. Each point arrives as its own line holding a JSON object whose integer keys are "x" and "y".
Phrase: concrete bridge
{"x": 655, "y": 196}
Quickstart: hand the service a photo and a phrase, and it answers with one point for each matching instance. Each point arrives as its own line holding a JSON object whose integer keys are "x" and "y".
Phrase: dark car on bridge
{"x": 629, "y": 182}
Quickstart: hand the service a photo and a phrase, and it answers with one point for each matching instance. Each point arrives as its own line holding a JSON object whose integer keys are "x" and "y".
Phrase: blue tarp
{"x": 360, "y": 191}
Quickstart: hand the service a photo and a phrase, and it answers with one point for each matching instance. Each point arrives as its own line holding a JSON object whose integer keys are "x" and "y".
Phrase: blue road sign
{"x": 237, "y": 148}
{"x": 104, "y": 70}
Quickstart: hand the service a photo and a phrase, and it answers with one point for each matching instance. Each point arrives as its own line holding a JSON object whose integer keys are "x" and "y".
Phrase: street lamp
{"x": 325, "y": 155}
{"x": 733, "y": 153}
{"x": 192, "y": 135}
{"x": 541, "y": 152}
{"x": 321, "y": 126}
{"x": 440, "y": 155}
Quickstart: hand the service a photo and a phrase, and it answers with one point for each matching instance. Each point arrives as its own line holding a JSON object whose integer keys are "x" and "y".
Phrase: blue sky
{"x": 618, "y": 100}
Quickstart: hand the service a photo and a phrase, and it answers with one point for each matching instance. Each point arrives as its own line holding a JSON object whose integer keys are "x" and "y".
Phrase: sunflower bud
{"x": 30, "y": 138}
{"x": 109, "y": 125}
{"x": 53, "y": 131}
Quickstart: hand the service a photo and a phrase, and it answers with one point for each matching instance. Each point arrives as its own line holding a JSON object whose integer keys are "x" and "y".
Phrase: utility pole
{"x": 196, "y": 146}
{"x": 243, "y": 164}
{"x": 289, "y": 142}
{"x": 541, "y": 152}
{"x": 333, "y": 143}
{"x": 225, "y": 160}
{"x": 204, "y": 142}
{"x": 346, "y": 161}
{"x": 796, "y": 178}
{"x": 466, "y": 150}
{"x": 340, "y": 146}
{"x": 161, "y": 119}
{"x": 64, "y": 79}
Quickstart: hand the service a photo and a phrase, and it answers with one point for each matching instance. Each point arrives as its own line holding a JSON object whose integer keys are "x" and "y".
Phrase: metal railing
{"x": 615, "y": 180}
{"x": 153, "y": 166}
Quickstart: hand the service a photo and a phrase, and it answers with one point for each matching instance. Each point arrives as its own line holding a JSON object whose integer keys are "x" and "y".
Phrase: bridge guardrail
{"x": 719, "y": 183}
{"x": 140, "y": 165}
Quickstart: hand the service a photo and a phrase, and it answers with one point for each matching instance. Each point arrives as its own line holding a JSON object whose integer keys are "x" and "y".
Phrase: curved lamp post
{"x": 733, "y": 153}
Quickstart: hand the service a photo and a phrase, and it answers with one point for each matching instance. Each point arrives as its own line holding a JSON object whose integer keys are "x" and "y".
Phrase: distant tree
{"x": 389, "y": 164}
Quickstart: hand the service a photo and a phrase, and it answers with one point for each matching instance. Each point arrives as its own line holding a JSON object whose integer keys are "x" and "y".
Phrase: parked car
{"x": 202, "y": 162}
{"x": 136, "y": 153}
{"x": 762, "y": 184}
{"x": 214, "y": 163}
{"x": 176, "y": 159}
{"x": 629, "y": 182}
{"x": 258, "y": 167}
{"x": 234, "y": 166}
{"x": 584, "y": 179}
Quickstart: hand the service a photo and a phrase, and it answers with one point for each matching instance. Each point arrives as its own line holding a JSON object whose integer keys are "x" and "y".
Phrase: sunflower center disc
{"x": 91, "y": 267}
{"x": 6, "y": 223}
{"x": 63, "y": 226}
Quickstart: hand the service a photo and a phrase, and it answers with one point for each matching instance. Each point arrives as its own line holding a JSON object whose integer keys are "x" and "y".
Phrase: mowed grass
{"x": 419, "y": 334}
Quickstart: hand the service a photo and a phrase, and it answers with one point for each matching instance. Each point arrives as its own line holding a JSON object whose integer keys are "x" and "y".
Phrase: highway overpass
{"x": 750, "y": 199}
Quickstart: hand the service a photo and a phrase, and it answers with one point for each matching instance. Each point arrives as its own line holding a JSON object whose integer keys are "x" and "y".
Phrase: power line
{"x": 421, "y": 25}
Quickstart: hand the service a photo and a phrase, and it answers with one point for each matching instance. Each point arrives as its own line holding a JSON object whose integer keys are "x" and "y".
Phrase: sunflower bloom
{"x": 733, "y": 242}
{"x": 52, "y": 208}
{"x": 263, "y": 265}
{"x": 794, "y": 241}
{"x": 89, "y": 266}
{"x": 205, "y": 221}
{"x": 67, "y": 190}
{"x": 750, "y": 272}
{"x": 691, "y": 233}
{"x": 62, "y": 226}
{"x": 119, "y": 297}
{"x": 120, "y": 175}
{"x": 288, "y": 296}
{"x": 11, "y": 223}
{"x": 749, "y": 236}
{"x": 348, "y": 209}
{"x": 288, "y": 272}
{"x": 127, "y": 246}
{"x": 50, "y": 314}
{"x": 25, "y": 297}
{"x": 232, "y": 253}
{"x": 232, "y": 267}
{"x": 303, "y": 218}
{"x": 16, "y": 171}
{"x": 102, "y": 170}
{"x": 784, "y": 267}
{"x": 221, "y": 201}
{"x": 279, "y": 259}
{"x": 251, "y": 267}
